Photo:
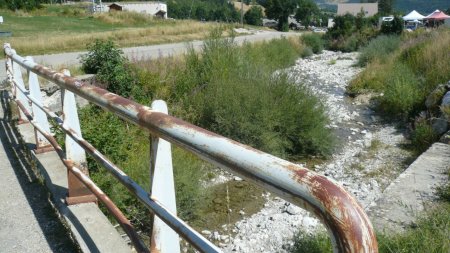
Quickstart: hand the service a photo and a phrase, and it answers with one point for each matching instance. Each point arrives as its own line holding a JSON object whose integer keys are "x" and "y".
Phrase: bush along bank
{"x": 235, "y": 91}
{"x": 410, "y": 82}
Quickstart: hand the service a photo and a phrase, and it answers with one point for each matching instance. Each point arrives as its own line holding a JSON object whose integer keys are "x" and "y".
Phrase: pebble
{"x": 206, "y": 232}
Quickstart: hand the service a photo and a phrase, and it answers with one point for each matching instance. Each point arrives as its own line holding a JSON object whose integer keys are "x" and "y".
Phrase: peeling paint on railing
{"x": 347, "y": 223}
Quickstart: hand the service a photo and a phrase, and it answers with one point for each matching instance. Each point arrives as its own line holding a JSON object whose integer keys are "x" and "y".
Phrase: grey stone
{"x": 445, "y": 138}
{"x": 435, "y": 96}
{"x": 439, "y": 125}
{"x": 446, "y": 99}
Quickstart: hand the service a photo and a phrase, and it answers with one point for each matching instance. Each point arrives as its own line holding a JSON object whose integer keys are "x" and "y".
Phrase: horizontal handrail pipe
{"x": 176, "y": 223}
{"x": 347, "y": 223}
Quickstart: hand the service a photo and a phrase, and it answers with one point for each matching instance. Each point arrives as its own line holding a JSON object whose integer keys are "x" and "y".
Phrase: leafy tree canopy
{"x": 21, "y": 4}
{"x": 385, "y": 6}
{"x": 306, "y": 10}
{"x": 280, "y": 11}
{"x": 254, "y": 16}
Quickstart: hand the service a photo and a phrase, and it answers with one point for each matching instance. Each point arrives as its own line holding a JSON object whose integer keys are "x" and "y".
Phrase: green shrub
{"x": 237, "y": 95}
{"x": 393, "y": 27}
{"x": 422, "y": 137}
{"x": 307, "y": 52}
{"x": 101, "y": 53}
{"x": 402, "y": 94}
{"x": 378, "y": 48}
{"x": 254, "y": 16}
{"x": 349, "y": 33}
{"x": 311, "y": 243}
{"x": 314, "y": 41}
{"x": 112, "y": 69}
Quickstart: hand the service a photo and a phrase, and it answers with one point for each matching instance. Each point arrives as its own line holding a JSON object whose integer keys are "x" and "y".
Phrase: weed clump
{"x": 378, "y": 48}
{"x": 423, "y": 136}
{"x": 314, "y": 41}
{"x": 402, "y": 93}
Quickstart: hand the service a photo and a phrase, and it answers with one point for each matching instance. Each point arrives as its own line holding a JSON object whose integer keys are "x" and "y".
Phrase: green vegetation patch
{"x": 314, "y": 41}
{"x": 378, "y": 48}
{"x": 239, "y": 92}
{"x": 407, "y": 75}
{"x": 429, "y": 234}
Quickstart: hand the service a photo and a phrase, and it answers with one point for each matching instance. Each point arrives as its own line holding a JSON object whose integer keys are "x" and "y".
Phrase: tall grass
{"x": 407, "y": 75}
{"x": 402, "y": 93}
{"x": 313, "y": 41}
{"x": 378, "y": 48}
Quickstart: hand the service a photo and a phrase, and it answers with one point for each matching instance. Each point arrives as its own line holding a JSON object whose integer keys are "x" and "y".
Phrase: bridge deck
{"x": 28, "y": 222}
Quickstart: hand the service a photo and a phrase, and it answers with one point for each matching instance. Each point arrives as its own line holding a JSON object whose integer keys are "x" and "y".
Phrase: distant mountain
{"x": 425, "y": 7}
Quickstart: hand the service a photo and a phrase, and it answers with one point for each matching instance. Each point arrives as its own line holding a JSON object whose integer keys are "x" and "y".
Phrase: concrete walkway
{"x": 28, "y": 222}
{"x": 413, "y": 191}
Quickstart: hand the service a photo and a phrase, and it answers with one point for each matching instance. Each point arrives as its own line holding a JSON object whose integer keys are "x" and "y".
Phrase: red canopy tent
{"x": 436, "y": 17}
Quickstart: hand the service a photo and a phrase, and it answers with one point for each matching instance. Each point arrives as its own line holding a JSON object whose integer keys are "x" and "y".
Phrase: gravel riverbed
{"x": 369, "y": 158}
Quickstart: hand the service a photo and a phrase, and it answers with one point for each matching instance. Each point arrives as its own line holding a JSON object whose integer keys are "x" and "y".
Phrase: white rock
{"x": 206, "y": 232}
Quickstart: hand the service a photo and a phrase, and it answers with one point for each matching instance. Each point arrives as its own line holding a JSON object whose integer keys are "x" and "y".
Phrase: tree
{"x": 254, "y": 16}
{"x": 343, "y": 26}
{"x": 306, "y": 11}
{"x": 393, "y": 27}
{"x": 21, "y": 4}
{"x": 280, "y": 11}
{"x": 385, "y": 6}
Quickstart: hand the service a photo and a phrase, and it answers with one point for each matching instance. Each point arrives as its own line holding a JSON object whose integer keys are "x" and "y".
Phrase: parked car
{"x": 320, "y": 30}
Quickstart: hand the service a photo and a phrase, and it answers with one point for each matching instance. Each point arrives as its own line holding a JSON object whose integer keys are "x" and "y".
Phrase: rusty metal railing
{"x": 346, "y": 221}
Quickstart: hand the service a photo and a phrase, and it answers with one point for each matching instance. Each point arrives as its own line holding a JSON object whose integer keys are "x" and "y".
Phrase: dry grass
{"x": 56, "y": 28}
{"x": 179, "y": 31}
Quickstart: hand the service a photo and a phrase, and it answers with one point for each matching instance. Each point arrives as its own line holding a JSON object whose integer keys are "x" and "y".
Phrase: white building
{"x": 368, "y": 9}
{"x": 157, "y": 9}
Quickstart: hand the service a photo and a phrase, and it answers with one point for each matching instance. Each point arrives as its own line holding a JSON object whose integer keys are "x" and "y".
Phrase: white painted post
{"x": 17, "y": 75}
{"x": 78, "y": 192}
{"x": 162, "y": 187}
{"x": 38, "y": 115}
{"x": 8, "y": 65}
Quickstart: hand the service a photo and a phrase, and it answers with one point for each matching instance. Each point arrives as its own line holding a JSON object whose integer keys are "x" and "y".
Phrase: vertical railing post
{"x": 42, "y": 145}
{"x": 18, "y": 80}
{"x": 9, "y": 71}
{"x": 78, "y": 192}
{"x": 162, "y": 188}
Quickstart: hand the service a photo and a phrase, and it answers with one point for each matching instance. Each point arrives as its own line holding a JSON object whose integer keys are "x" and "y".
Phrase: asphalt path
{"x": 57, "y": 61}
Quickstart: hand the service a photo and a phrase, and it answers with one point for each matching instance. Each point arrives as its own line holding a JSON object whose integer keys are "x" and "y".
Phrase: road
{"x": 57, "y": 61}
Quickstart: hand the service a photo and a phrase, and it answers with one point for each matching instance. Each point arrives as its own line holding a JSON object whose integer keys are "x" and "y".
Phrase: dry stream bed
{"x": 369, "y": 155}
